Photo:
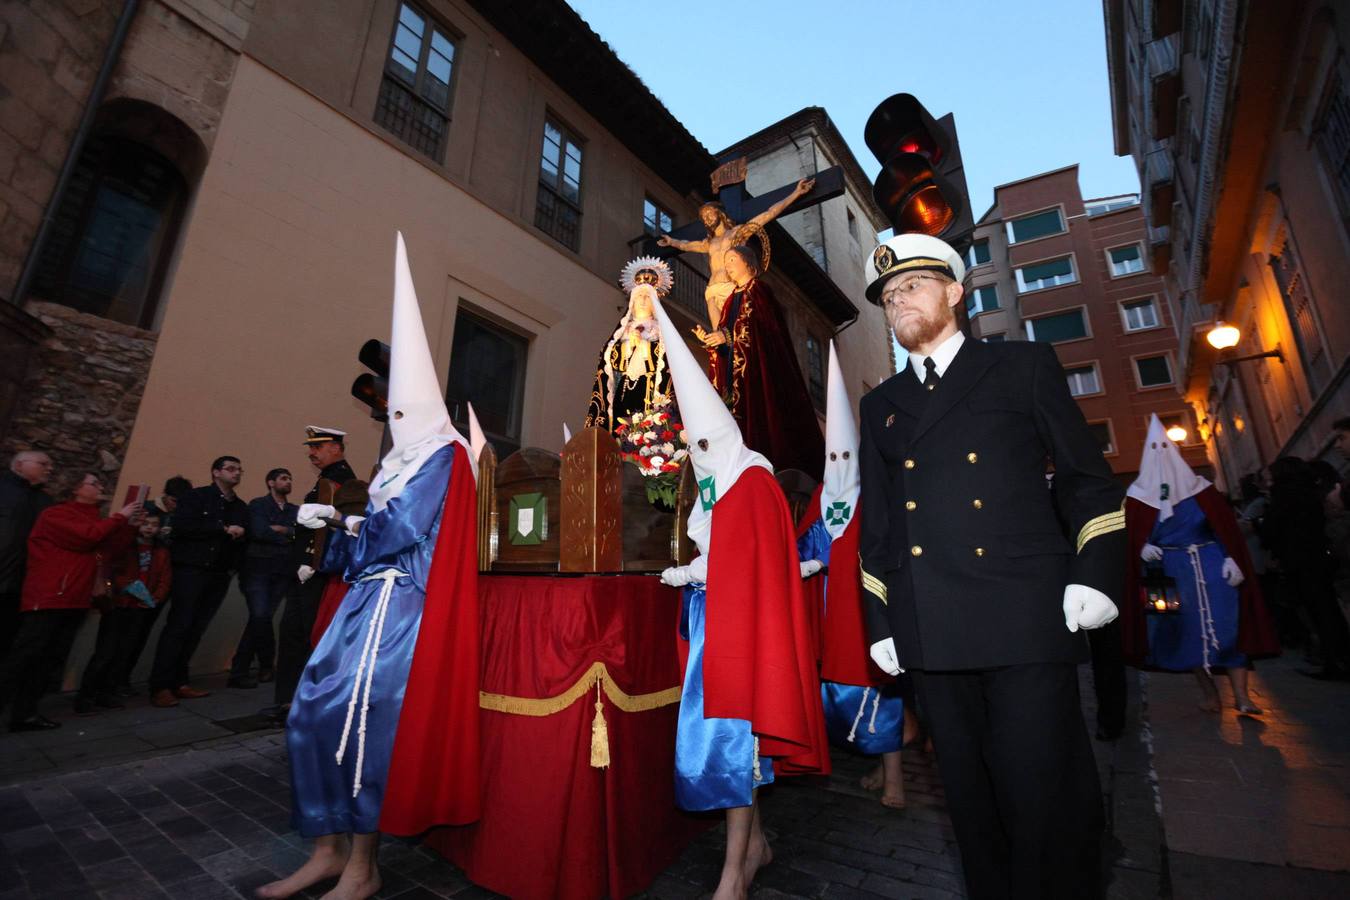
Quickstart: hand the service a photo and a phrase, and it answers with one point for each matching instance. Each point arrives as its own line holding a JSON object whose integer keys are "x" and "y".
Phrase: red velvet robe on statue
{"x": 758, "y": 661}
{"x": 1256, "y": 632}
{"x": 758, "y": 372}
{"x": 433, "y": 772}
{"x": 843, "y": 646}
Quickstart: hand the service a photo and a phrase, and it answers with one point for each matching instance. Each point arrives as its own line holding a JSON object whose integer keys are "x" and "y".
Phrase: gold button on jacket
{"x": 972, "y": 456}
{"x": 916, "y": 550}
{"x": 911, "y": 505}
{"x": 909, "y": 464}
{"x": 977, "y": 503}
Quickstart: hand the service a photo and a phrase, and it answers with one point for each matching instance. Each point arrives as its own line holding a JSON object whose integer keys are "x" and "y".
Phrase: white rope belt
{"x": 1208, "y": 635}
{"x": 862, "y": 708}
{"x": 370, "y": 651}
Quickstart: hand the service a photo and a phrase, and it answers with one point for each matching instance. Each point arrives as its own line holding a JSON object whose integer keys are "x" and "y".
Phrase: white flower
{"x": 657, "y": 461}
{"x": 651, "y": 436}
{"x": 668, "y": 448}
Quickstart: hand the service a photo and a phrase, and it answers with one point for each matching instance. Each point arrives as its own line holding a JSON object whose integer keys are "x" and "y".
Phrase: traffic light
{"x": 921, "y": 187}
{"x": 372, "y": 388}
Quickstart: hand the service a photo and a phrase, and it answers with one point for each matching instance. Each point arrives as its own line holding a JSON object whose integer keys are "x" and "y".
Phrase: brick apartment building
{"x": 221, "y": 182}
{"x": 1237, "y": 114}
{"x": 1046, "y": 265}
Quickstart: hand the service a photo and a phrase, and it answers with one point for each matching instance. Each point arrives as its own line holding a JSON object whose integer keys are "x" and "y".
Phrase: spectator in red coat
{"x": 140, "y": 585}
{"x": 64, "y": 551}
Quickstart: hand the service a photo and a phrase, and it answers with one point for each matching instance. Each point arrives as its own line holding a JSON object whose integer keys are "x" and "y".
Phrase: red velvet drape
{"x": 552, "y": 825}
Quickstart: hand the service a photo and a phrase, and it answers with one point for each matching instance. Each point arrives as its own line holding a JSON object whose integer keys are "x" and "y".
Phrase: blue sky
{"x": 1026, "y": 80}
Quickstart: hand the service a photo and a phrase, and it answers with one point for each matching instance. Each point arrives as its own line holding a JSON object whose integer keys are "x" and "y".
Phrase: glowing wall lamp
{"x": 1176, "y": 434}
{"x": 1224, "y": 337}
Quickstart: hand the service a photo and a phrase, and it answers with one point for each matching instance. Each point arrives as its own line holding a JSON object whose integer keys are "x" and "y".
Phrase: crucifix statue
{"x": 736, "y": 216}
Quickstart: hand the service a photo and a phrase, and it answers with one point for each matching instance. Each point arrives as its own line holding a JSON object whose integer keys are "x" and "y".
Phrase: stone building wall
{"x": 79, "y": 401}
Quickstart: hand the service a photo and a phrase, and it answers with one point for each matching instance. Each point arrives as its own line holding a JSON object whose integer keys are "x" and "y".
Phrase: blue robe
{"x": 1186, "y": 639}
{"x": 874, "y": 718}
{"x": 714, "y": 758}
{"x": 400, "y": 537}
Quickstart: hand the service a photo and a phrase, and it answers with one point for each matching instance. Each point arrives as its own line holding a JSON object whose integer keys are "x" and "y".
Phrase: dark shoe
{"x": 278, "y": 714}
{"x": 247, "y": 682}
{"x": 188, "y": 692}
{"x": 163, "y": 699}
{"x": 1108, "y": 734}
{"x": 34, "y": 723}
{"x": 108, "y": 701}
{"x": 124, "y": 690}
{"x": 85, "y": 707}
{"x": 266, "y": 676}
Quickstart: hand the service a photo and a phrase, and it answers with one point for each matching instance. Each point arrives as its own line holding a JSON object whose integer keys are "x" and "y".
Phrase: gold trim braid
{"x": 1103, "y": 524}
{"x": 874, "y": 586}
{"x": 547, "y": 706}
{"x": 598, "y": 676}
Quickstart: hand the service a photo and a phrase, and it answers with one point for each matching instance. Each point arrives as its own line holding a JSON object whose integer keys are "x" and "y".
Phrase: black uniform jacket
{"x": 963, "y": 553}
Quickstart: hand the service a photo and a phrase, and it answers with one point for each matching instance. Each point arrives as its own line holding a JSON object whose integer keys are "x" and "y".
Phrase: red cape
{"x": 758, "y": 662}
{"x": 843, "y": 645}
{"x": 433, "y": 772}
{"x": 1256, "y": 632}
{"x": 333, "y": 592}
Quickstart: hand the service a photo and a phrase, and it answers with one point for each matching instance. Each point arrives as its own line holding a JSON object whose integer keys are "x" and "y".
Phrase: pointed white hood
{"x": 839, "y": 492}
{"x": 567, "y": 435}
{"x": 477, "y": 439}
{"x": 716, "y": 448}
{"x": 1164, "y": 478}
{"x": 418, "y": 420}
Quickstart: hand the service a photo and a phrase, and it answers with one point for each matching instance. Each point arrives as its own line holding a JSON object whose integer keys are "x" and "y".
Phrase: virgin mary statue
{"x": 632, "y": 375}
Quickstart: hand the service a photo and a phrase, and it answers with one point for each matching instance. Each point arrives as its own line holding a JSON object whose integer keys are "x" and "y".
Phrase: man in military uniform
{"x": 327, "y": 453}
{"x": 971, "y": 584}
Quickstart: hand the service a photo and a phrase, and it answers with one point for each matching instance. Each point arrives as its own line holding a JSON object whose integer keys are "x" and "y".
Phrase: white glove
{"x": 1087, "y": 608}
{"x": 811, "y": 567}
{"x": 304, "y": 573}
{"x": 1151, "y": 553}
{"x": 1231, "y": 573}
{"x": 353, "y": 524}
{"x": 311, "y": 515}
{"x": 679, "y": 576}
{"x": 883, "y": 654}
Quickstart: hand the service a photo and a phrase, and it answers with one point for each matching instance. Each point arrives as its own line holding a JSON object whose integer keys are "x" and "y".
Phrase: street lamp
{"x": 1224, "y": 337}
{"x": 1176, "y": 434}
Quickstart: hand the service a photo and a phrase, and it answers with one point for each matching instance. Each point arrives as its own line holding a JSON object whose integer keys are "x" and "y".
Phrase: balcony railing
{"x": 687, "y": 293}
{"x": 1158, "y": 186}
{"x": 411, "y": 119}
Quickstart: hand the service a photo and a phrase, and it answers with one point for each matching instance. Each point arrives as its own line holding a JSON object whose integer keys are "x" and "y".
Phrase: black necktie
{"x": 932, "y": 378}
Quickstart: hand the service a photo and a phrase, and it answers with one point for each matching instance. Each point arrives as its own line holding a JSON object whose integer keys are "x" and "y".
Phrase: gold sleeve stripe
{"x": 1103, "y": 524}
{"x": 875, "y": 586}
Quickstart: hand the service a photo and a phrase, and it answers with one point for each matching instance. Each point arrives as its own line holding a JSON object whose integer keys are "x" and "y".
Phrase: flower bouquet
{"x": 654, "y": 442}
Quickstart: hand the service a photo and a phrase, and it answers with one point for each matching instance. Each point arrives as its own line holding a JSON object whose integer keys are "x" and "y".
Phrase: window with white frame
{"x": 1046, "y": 274}
{"x": 656, "y": 219}
{"x": 1110, "y": 204}
{"x": 1153, "y": 371}
{"x": 978, "y": 254}
{"x": 1083, "y": 380}
{"x": 1105, "y": 439}
{"x": 981, "y": 299}
{"x": 1052, "y": 329}
{"x": 1127, "y": 260}
{"x": 1036, "y": 225}
{"x": 1140, "y": 314}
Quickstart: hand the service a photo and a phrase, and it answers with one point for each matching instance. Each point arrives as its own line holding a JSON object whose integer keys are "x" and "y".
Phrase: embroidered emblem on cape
{"x": 707, "y": 492}
{"x": 838, "y": 513}
{"x": 1166, "y": 491}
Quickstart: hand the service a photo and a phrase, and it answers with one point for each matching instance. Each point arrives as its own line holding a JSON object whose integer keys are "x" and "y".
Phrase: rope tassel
{"x": 365, "y": 675}
{"x": 599, "y": 731}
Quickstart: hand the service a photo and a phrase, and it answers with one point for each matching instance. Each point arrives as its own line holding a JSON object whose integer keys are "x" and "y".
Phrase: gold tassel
{"x": 599, "y": 733}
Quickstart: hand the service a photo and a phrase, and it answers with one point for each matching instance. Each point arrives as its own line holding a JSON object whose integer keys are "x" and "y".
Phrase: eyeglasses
{"x": 906, "y": 289}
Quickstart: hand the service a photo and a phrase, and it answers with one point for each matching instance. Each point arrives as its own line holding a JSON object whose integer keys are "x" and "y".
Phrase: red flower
{"x": 667, "y": 435}
{"x": 678, "y": 426}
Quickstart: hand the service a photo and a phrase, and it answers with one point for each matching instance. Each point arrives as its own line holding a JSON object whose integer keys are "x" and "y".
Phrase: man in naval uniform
{"x": 327, "y": 453}
{"x": 971, "y": 584}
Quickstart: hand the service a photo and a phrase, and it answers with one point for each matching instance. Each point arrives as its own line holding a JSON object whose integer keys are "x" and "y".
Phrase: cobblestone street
{"x": 208, "y": 818}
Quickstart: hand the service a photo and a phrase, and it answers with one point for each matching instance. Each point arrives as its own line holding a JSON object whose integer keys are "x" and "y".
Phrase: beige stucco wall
{"x": 287, "y": 267}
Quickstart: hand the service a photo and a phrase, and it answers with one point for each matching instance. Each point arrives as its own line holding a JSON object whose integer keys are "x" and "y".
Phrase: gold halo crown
{"x": 754, "y": 230}
{"x": 647, "y": 270}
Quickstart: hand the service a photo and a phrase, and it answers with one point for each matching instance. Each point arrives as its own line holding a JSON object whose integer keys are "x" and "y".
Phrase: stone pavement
{"x": 150, "y": 803}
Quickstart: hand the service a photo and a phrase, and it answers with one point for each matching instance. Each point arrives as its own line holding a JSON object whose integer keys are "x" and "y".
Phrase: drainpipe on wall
{"x": 91, "y": 105}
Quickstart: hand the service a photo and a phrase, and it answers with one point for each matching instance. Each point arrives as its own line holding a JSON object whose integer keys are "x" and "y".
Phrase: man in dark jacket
{"x": 21, "y": 499}
{"x": 209, "y": 531}
{"x": 269, "y": 569}
{"x": 970, "y": 584}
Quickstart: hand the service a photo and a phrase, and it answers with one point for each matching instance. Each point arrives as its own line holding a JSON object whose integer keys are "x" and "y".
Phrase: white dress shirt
{"x": 942, "y": 357}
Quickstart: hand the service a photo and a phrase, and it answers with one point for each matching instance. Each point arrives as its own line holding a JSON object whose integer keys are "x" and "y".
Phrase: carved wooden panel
{"x": 592, "y": 479}
{"x": 525, "y": 472}
{"x": 487, "y": 508}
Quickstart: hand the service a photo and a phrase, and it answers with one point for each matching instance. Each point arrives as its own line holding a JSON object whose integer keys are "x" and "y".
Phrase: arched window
{"x": 114, "y": 232}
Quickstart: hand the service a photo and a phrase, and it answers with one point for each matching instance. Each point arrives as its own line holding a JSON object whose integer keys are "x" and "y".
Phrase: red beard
{"x": 919, "y": 329}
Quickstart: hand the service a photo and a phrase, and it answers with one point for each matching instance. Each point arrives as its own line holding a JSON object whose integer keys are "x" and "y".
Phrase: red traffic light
{"x": 921, "y": 187}
{"x": 900, "y": 124}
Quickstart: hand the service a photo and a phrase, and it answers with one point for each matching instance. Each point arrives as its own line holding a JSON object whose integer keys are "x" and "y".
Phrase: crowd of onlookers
{"x": 1296, "y": 515}
{"x": 61, "y": 558}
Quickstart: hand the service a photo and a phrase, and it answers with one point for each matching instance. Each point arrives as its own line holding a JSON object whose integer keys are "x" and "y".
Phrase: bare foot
{"x": 356, "y": 885}
{"x": 758, "y": 855}
{"x": 1209, "y": 705}
{"x": 324, "y": 863}
{"x": 733, "y": 887}
{"x": 873, "y": 780}
{"x": 1247, "y": 708}
{"x": 894, "y": 798}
